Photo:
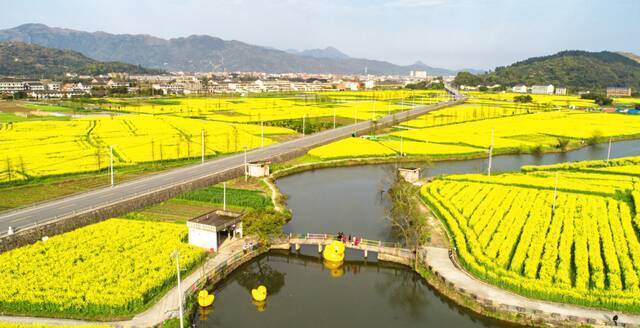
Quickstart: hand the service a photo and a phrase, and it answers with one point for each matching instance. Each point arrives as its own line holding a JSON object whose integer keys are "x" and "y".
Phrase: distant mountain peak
{"x": 203, "y": 53}
{"x": 327, "y": 52}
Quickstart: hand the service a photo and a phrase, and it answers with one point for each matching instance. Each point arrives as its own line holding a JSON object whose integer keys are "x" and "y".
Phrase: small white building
{"x": 561, "y": 91}
{"x": 418, "y": 74}
{"x": 521, "y": 88}
{"x": 369, "y": 84}
{"x": 411, "y": 174}
{"x": 212, "y": 229}
{"x": 258, "y": 169}
{"x": 542, "y": 89}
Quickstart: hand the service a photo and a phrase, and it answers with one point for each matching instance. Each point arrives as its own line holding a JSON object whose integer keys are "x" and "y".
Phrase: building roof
{"x": 217, "y": 219}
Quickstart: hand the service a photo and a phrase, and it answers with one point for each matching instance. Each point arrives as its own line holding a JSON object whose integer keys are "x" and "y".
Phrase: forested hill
{"x": 29, "y": 60}
{"x": 573, "y": 69}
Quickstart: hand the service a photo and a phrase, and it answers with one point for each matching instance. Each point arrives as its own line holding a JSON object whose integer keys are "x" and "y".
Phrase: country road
{"x": 86, "y": 202}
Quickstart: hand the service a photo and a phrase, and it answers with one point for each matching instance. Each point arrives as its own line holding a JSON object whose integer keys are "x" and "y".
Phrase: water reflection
{"x": 312, "y": 294}
{"x": 261, "y": 273}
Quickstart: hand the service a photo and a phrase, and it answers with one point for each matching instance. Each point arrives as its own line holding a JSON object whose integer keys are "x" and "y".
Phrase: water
{"x": 350, "y": 199}
{"x": 304, "y": 293}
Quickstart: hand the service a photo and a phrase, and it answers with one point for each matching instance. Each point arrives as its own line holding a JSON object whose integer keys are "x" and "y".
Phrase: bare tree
{"x": 404, "y": 215}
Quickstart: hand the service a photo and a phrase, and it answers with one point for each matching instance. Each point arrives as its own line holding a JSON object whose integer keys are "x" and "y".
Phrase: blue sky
{"x": 444, "y": 33}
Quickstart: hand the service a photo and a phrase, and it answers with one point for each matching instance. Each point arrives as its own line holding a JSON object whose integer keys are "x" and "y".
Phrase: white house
{"x": 542, "y": 89}
{"x": 12, "y": 86}
{"x": 258, "y": 169}
{"x": 521, "y": 88}
{"x": 210, "y": 230}
{"x": 418, "y": 74}
{"x": 561, "y": 91}
{"x": 369, "y": 84}
{"x": 411, "y": 175}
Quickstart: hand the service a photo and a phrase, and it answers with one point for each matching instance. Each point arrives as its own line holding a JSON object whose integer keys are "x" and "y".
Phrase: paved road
{"x": 70, "y": 206}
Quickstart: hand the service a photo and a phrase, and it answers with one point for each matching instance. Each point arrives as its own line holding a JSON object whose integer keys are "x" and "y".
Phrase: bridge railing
{"x": 361, "y": 241}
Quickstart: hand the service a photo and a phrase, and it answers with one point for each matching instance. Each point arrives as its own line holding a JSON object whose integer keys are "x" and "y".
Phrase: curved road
{"x": 86, "y": 202}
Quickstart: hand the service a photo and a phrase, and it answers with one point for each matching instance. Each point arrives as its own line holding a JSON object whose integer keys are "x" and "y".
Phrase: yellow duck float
{"x": 335, "y": 268}
{"x": 334, "y": 252}
{"x": 205, "y": 299}
{"x": 259, "y": 294}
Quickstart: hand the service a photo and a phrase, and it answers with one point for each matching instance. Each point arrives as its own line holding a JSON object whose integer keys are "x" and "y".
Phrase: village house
{"x": 520, "y": 88}
{"x": 542, "y": 89}
{"x": 618, "y": 92}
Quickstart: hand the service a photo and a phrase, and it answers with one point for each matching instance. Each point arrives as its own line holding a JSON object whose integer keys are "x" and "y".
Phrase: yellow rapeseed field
{"x": 351, "y": 147}
{"x": 514, "y": 133}
{"x": 582, "y": 248}
{"x": 111, "y": 268}
{"x": 42, "y": 148}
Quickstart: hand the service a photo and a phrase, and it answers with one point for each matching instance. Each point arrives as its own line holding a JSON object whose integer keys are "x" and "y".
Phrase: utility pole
{"x": 555, "y": 195}
{"x": 202, "y": 141}
{"x": 609, "y": 151}
{"x": 176, "y": 254}
{"x": 334, "y": 118}
{"x": 490, "y": 155}
{"x": 261, "y": 134}
{"x": 304, "y": 123}
{"x": 246, "y": 171}
{"x": 401, "y": 147}
{"x": 224, "y": 196}
{"x": 111, "y": 164}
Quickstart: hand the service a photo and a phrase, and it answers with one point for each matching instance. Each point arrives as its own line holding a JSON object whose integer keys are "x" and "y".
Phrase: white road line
{"x": 20, "y": 219}
{"x": 66, "y": 206}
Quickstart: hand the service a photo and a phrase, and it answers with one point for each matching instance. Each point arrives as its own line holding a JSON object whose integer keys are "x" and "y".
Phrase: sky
{"x": 442, "y": 33}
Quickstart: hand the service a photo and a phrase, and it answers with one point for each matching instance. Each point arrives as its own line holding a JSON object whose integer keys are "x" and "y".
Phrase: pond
{"x": 304, "y": 293}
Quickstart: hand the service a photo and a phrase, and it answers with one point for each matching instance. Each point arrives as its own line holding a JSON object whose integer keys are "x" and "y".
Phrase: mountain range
{"x": 203, "y": 53}
{"x": 30, "y": 60}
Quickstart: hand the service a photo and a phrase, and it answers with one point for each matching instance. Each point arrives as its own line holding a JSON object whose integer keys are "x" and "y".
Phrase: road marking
{"x": 20, "y": 219}
{"x": 105, "y": 195}
{"x": 66, "y": 206}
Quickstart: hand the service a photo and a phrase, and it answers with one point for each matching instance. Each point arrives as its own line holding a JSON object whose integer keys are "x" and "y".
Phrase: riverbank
{"x": 307, "y": 163}
{"x": 534, "y": 313}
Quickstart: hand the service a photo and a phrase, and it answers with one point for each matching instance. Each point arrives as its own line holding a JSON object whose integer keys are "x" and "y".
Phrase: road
{"x": 86, "y": 202}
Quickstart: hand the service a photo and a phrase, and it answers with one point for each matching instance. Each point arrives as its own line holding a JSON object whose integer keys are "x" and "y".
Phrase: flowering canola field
{"x": 582, "y": 250}
{"x": 112, "y": 268}
{"x": 360, "y": 105}
{"x": 42, "y": 148}
{"x": 514, "y": 133}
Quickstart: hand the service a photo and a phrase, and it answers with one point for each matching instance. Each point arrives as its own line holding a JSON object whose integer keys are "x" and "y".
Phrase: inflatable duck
{"x": 334, "y": 252}
{"x": 259, "y": 294}
{"x": 205, "y": 299}
{"x": 335, "y": 268}
{"x": 260, "y": 306}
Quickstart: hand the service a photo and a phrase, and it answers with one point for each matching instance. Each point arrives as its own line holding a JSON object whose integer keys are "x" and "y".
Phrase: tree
{"x": 523, "y": 99}
{"x": 404, "y": 214}
{"x": 266, "y": 224}
{"x": 466, "y": 78}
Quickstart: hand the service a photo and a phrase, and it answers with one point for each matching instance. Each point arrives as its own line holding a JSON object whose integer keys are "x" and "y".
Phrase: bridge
{"x": 387, "y": 251}
{"x": 74, "y": 211}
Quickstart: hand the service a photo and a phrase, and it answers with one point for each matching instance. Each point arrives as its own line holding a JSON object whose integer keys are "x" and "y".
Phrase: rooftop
{"x": 218, "y": 219}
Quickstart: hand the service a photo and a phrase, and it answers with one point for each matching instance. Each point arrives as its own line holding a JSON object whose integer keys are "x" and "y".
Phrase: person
{"x": 350, "y": 240}
{"x": 10, "y": 232}
{"x": 615, "y": 319}
{"x": 244, "y": 247}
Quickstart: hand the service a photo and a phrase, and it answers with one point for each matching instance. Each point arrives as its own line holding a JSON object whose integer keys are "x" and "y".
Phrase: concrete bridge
{"x": 387, "y": 251}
